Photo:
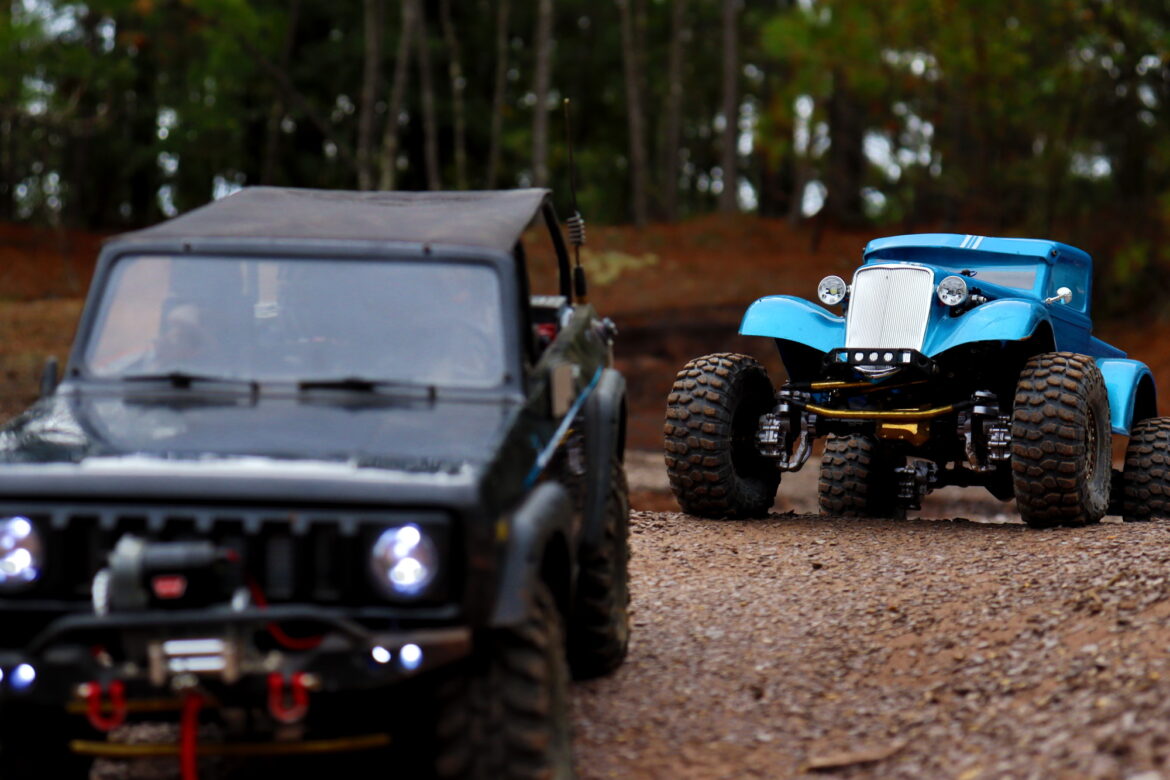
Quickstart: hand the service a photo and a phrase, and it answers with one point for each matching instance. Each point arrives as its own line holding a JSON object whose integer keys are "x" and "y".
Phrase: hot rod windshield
{"x": 295, "y": 320}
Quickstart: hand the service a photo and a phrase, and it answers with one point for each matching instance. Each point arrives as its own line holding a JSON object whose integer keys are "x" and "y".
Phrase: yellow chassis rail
{"x": 891, "y": 414}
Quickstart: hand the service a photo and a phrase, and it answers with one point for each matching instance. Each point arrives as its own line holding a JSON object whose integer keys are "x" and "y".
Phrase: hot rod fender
{"x": 789, "y": 318}
{"x": 536, "y": 546}
{"x": 605, "y": 433}
{"x": 1132, "y": 395}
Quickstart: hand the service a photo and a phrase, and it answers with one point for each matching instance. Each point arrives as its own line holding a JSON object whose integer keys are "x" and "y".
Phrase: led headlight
{"x": 22, "y": 555}
{"x": 952, "y": 290}
{"x": 404, "y": 561}
{"x": 832, "y": 290}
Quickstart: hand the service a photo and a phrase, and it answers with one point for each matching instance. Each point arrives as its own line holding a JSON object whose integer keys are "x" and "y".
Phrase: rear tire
{"x": 506, "y": 715}
{"x": 712, "y": 415}
{"x": 1061, "y": 446}
{"x": 599, "y": 630}
{"x": 1145, "y": 481}
{"x": 856, "y": 479}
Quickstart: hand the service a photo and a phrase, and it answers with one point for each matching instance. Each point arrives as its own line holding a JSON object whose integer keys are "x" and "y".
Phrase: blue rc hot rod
{"x": 954, "y": 360}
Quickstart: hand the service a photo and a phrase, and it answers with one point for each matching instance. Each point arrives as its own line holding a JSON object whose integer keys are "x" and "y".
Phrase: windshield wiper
{"x": 359, "y": 384}
{"x": 184, "y": 379}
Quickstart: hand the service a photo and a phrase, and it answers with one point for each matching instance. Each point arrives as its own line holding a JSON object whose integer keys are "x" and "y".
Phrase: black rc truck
{"x": 321, "y": 474}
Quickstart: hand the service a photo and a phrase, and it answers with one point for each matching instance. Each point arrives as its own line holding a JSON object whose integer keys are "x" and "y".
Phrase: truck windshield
{"x": 297, "y": 320}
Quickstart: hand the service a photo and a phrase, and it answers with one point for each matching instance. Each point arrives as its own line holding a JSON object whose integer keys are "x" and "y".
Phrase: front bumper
{"x": 216, "y": 649}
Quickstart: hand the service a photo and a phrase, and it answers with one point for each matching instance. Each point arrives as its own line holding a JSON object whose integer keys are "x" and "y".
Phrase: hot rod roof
{"x": 490, "y": 219}
{"x": 922, "y": 245}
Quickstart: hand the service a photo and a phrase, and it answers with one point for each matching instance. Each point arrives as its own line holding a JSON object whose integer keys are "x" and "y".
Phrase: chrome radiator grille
{"x": 889, "y": 306}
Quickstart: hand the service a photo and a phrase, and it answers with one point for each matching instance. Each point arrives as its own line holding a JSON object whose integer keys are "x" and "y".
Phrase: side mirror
{"x": 49, "y": 377}
{"x": 1063, "y": 295}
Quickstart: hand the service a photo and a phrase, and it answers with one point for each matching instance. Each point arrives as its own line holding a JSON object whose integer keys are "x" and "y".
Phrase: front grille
{"x": 889, "y": 306}
{"x": 292, "y": 555}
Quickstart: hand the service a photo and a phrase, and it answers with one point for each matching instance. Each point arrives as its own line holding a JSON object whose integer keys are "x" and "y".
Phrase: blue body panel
{"x": 789, "y": 318}
{"x": 1010, "y": 319}
{"x": 1122, "y": 378}
{"x": 1016, "y": 274}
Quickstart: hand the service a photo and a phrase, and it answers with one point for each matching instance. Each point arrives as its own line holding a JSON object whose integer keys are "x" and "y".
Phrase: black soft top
{"x": 492, "y": 219}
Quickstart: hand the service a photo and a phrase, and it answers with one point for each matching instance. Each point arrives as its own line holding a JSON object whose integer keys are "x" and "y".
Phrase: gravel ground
{"x": 969, "y": 647}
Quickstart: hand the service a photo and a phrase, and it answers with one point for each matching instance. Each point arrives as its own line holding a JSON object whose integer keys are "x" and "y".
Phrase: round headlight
{"x": 952, "y": 290}
{"x": 22, "y": 555}
{"x": 832, "y": 290}
{"x": 404, "y": 561}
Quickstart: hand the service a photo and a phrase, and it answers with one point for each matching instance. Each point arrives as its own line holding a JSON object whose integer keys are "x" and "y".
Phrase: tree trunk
{"x": 373, "y": 14}
{"x": 455, "y": 70}
{"x": 845, "y": 160}
{"x": 501, "y": 81}
{"x": 276, "y": 113}
{"x": 427, "y": 87}
{"x": 637, "y": 139}
{"x": 729, "y": 196}
{"x": 388, "y": 166}
{"x": 543, "y": 54}
{"x": 672, "y": 132}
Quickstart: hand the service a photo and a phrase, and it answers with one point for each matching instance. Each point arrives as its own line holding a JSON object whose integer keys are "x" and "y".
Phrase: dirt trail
{"x": 942, "y": 648}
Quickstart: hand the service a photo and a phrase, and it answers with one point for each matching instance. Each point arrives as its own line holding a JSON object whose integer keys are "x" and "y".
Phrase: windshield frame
{"x": 214, "y": 249}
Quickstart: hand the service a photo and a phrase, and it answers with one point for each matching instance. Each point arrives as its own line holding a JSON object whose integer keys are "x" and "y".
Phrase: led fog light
{"x": 21, "y": 553}
{"x": 404, "y": 561}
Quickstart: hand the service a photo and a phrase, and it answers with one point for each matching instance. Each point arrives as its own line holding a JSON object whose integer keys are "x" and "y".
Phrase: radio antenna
{"x": 576, "y": 222}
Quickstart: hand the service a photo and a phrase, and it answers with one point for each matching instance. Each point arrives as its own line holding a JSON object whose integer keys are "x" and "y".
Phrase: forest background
{"x": 829, "y": 117}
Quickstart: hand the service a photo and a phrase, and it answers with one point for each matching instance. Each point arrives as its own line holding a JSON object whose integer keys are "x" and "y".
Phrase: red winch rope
{"x": 117, "y": 706}
{"x": 288, "y": 642}
{"x": 189, "y": 736}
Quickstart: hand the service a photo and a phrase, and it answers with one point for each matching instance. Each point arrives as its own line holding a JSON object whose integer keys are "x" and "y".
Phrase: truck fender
{"x": 789, "y": 318}
{"x": 536, "y": 547}
{"x": 1007, "y": 319}
{"x": 605, "y": 434}
{"x": 1132, "y": 394}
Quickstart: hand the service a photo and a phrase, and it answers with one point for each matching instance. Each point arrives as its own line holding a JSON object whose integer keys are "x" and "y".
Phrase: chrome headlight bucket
{"x": 22, "y": 553}
{"x": 832, "y": 290}
{"x": 404, "y": 561}
{"x": 952, "y": 290}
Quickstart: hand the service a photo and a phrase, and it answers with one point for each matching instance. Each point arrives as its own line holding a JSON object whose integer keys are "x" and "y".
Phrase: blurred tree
{"x": 374, "y": 18}
{"x": 729, "y": 158}
{"x": 389, "y": 162}
{"x": 668, "y": 156}
{"x": 427, "y": 93}
{"x": 542, "y": 52}
{"x": 631, "y": 67}
{"x": 499, "y": 86}
{"x": 455, "y": 71}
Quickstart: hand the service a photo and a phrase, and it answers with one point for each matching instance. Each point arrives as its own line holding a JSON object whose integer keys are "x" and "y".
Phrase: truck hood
{"x": 422, "y": 436}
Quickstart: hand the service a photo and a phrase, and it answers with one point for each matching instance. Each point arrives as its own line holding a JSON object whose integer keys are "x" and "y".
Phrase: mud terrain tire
{"x": 856, "y": 480}
{"x": 712, "y": 414}
{"x": 599, "y": 629}
{"x": 1145, "y": 481}
{"x": 1061, "y": 442}
{"x": 506, "y": 715}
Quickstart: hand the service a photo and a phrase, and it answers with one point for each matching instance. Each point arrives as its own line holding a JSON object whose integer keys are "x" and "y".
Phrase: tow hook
{"x": 299, "y": 685}
{"x": 95, "y": 712}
